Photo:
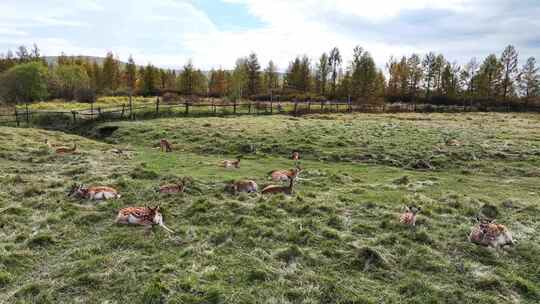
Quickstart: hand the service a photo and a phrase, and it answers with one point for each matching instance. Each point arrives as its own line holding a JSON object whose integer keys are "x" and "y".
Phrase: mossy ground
{"x": 336, "y": 240}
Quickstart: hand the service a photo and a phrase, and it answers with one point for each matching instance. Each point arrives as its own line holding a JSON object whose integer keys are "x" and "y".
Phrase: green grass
{"x": 336, "y": 240}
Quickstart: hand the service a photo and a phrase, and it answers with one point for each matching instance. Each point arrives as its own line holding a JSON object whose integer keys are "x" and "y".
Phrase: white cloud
{"x": 169, "y": 32}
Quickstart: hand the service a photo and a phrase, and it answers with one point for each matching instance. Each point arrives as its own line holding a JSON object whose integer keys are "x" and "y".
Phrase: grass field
{"x": 336, "y": 240}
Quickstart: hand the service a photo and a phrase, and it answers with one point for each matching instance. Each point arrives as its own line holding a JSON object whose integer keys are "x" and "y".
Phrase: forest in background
{"x": 496, "y": 80}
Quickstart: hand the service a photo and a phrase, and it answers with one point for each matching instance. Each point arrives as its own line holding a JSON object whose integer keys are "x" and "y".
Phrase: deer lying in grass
{"x": 171, "y": 188}
{"x": 409, "y": 216}
{"x": 274, "y": 189}
{"x": 165, "y": 146}
{"x": 66, "y": 150}
{"x": 487, "y": 233}
{"x": 231, "y": 163}
{"x": 245, "y": 185}
{"x": 145, "y": 216}
{"x": 93, "y": 193}
{"x": 49, "y": 144}
{"x": 285, "y": 175}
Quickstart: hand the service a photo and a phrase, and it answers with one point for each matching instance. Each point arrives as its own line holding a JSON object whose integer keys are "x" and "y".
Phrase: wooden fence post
{"x": 309, "y": 106}
{"x": 130, "y": 107}
{"x": 27, "y": 115}
{"x": 17, "y": 117}
{"x": 186, "y": 104}
{"x": 74, "y": 113}
{"x": 123, "y": 110}
{"x": 295, "y": 106}
{"x": 157, "y": 105}
{"x": 234, "y": 107}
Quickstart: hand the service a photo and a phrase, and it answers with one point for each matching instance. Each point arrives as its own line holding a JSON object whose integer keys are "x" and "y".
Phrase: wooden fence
{"x": 129, "y": 111}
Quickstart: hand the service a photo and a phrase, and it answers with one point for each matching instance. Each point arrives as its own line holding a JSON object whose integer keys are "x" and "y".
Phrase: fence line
{"x": 185, "y": 108}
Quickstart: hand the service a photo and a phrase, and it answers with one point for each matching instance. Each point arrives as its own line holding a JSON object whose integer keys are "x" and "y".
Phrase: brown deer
{"x": 295, "y": 156}
{"x": 487, "y": 233}
{"x": 93, "y": 193}
{"x": 284, "y": 175}
{"x": 231, "y": 163}
{"x": 171, "y": 188}
{"x": 274, "y": 189}
{"x": 409, "y": 216}
{"x": 145, "y": 216}
{"x": 66, "y": 150}
{"x": 165, "y": 146}
{"x": 245, "y": 185}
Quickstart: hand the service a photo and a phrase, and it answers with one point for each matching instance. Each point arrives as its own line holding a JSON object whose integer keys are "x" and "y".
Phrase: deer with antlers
{"x": 93, "y": 193}
{"x": 488, "y": 233}
{"x": 295, "y": 156}
{"x": 145, "y": 216}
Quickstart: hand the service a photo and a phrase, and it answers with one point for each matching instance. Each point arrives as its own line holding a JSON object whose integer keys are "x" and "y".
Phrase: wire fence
{"x": 26, "y": 117}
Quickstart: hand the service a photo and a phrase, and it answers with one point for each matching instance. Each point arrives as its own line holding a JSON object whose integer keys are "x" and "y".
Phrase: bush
{"x": 170, "y": 97}
{"x": 85, "y": 95}
{"x": 24, "y": 83}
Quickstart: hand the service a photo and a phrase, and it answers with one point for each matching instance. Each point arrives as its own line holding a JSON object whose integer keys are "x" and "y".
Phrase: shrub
{"x": 24, "y": 83}
{"x": 85, "y": 95}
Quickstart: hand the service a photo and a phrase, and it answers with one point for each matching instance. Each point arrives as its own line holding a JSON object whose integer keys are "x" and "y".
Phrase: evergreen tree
{"x": 131, "y": 73}
{"x": 334, "y": 61}
{"x": 321, "y": 76}
{"x": 509, "y": 61}
{"x": 271, "y": 78}
{"x": 253, "y": 75}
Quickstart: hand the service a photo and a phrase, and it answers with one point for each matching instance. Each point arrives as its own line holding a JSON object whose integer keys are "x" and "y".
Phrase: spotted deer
{"x": 171, "y": 188}
{"x": 284, "y": 175}
{"x": 165, "y": 146}
{"x": 145, "y": 216}
{"x": 245, "y": 185}
{"x": 93, "y": 193}
{"x": 409, "y": 216}
{"x": 231, "y": 163}
{"x": 274, "y": 189}
{"x": 488, "y": 233}
{"x": 66, "y": 150}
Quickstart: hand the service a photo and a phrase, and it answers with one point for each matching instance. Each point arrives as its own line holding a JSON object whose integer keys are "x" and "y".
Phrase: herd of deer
{"x": 485, "y": 232}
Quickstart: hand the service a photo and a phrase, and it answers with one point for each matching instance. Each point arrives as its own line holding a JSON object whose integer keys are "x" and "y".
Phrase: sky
{"x": 213, "y": 34}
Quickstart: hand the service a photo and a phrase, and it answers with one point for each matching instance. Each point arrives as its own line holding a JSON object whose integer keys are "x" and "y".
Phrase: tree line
{"x": 496, "y": 80}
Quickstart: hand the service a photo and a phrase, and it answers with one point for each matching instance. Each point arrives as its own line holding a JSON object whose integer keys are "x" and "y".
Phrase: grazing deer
{"x": 295, "y": 156}
{"x": 245, "y": 185}
{"x": 487, "y": 233}
{"x": 65, "y": 150}
{"x": 274, "y": 189}
{"x": 165, "y": 146}
{"x": 171, "y": 188}
{"x": 93, "y": 193}
{"x": 145, "y": 216}
{"x": 284, "y": 175}
{"x": 231, "y": 163}
{"x": 409, "y": 216}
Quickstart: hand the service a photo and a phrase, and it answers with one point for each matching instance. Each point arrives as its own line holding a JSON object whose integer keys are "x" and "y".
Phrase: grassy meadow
{"x": 337, "y": 239}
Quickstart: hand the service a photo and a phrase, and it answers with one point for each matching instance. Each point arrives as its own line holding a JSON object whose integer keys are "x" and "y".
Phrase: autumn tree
{"x": 529, "y": 80}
